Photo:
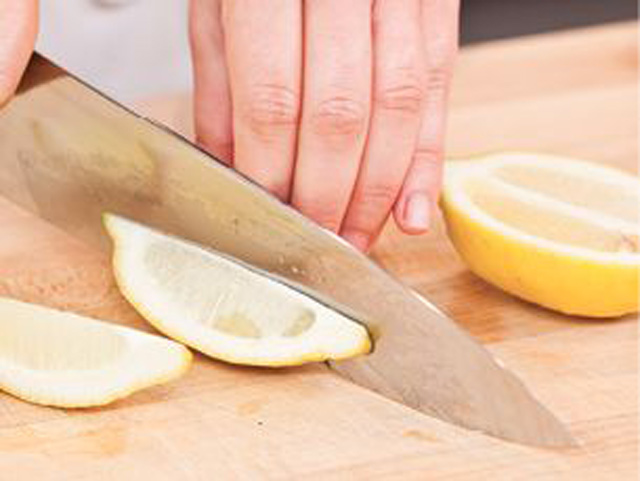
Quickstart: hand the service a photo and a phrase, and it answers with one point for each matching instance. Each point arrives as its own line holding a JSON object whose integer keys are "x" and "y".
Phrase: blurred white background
{"x": 127, "y": 48}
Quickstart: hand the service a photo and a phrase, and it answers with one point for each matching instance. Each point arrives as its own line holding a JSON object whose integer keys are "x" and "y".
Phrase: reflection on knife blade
{"x": 68, "y": 153}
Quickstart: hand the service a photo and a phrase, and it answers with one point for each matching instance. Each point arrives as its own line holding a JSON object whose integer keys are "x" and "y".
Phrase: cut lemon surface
{"x": 61, "y": 359}
{"x": 558, "y": 232}
{"x": 222, "y": 307}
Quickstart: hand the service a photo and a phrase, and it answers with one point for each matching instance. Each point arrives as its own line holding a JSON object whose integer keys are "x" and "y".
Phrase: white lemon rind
{"x": 101, "y": 386}
{"x": 459, "y": 200}
{"x": 208, "y": 341}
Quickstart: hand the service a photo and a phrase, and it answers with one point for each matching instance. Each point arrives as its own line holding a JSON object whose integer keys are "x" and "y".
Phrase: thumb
{"x": 18, "y": 28}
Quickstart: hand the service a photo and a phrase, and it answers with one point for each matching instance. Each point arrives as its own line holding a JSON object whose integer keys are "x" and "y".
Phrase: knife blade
{"x": 69, "y": 153}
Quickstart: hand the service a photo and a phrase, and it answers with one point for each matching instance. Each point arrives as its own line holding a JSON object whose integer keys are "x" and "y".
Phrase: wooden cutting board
{"x": 572, "y": 93}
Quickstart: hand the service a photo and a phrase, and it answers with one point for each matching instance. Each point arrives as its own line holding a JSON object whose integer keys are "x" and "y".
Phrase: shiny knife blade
{"x": 68, "y": 153}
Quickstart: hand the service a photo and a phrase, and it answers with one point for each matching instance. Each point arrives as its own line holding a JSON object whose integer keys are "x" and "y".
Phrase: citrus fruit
{"x": 558, "y": 232}
{"x": 62, "y": 359}
{"x": 223, "y": 307}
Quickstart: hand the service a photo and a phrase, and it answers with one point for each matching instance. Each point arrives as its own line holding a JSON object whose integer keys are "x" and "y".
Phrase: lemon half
{"x": 558, "y": 232}
{"x": 62, "y": 359}
{"x": 223, "y": 308}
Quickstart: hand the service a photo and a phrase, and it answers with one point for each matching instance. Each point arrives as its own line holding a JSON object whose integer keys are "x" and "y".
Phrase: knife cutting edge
{"x": 68, "y": 153}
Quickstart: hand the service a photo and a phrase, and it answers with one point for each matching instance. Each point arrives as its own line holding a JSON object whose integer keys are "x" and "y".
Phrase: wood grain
{"x": 570, "y": 93}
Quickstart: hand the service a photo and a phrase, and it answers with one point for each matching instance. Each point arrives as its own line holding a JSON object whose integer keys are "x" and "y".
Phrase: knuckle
{"x": 427, "y": 157}
{"x": 440, "y": 68}
{"x": 441, "y": 57}
{"x": 404, "y": 95}
{"x": 377, "y": 196}
{"x": 272, "y": 108}
{"x": 438, "y": 79}
{"x": 340, "y": 116}
{"x": 437, "y": 89}
{"x": 403, "y": 98}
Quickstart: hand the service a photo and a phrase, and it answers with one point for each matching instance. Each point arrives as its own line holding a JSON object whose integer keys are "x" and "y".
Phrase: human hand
{"x": 18, "y": 27}
{"x": 337, "y": 107}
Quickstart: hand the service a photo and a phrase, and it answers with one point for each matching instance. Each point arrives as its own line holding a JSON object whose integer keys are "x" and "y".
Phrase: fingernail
{"x": 417, "y": 213}
{"x": 357, "y": 239}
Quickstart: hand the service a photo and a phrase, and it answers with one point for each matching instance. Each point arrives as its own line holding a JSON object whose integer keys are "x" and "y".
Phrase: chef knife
{"x": 68, "y": 153}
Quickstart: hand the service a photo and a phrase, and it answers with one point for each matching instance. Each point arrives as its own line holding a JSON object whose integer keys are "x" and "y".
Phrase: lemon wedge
{"x": 61, "y": 359}
{"x": 558, "y": 232}
{"x": 222, "y": 307}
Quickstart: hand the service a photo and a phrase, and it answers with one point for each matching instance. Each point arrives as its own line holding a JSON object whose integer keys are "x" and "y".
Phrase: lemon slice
{"x": 558, "y": 232}
{"x": 62, "y": 359}
{"x": 222, "y": 307}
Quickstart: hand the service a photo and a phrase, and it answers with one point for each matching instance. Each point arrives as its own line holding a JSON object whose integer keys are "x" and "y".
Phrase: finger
{"x": 212, "y": 99}
{"x": 18, "y": 28}
{"x": 264, "y": 51}
{"x": 337, "y": 89}
{"x": 395, "y": 121}
{"x": 417, "y": 201}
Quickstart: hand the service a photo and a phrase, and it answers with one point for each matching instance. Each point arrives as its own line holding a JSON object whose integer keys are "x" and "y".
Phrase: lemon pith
{"x": 221, "y": 307}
